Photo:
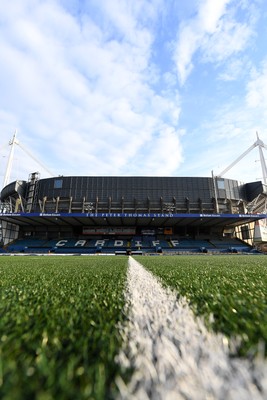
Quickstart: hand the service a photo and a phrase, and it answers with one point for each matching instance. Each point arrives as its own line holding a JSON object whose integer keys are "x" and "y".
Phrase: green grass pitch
{"x": 58, "y": 333}
{"x": 230, "y": 292}
{"x": 59, "y": 316}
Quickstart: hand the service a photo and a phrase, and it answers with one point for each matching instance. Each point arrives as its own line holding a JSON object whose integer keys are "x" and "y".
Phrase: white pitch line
{"x": 174, "y": 356}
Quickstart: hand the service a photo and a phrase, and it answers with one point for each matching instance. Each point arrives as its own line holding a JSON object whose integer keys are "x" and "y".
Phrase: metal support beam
{"x": 259, "y": 143}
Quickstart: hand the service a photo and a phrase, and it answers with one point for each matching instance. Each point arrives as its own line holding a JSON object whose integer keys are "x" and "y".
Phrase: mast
{"x": 12, "y": 143}
{"x": 259, "y": 143}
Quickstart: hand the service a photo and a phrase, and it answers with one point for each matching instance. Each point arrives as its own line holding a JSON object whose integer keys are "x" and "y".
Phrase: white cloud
{"x": 192, "y": 33}
{"x": 235, "y": 69}
{"x": 79, "y": 87}
{"x": 91, "y": 93}
{"x": 210, "y": 13}
{"x": 161, "y": 154}
{"x": 231, "y": 38}
{"x": 215, "y": 32}
{"x": 189, "y": 40}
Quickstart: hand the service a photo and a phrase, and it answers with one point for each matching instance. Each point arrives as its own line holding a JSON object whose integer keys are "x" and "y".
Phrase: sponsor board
{"x": 133, "y": 215}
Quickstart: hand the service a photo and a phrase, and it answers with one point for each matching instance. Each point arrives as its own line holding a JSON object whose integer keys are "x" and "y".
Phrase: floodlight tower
{"x": 259, "y": 143}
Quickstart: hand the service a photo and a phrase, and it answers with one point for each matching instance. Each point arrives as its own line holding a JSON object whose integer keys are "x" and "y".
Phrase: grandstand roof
{"x": 127, "y": 219}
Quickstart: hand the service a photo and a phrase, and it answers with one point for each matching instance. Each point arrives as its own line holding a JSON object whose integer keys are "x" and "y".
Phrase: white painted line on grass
{"x": 174, "y": 356}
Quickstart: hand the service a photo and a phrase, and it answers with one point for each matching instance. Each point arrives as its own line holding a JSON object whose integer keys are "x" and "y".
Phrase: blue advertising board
{"x": 132, "y": 215}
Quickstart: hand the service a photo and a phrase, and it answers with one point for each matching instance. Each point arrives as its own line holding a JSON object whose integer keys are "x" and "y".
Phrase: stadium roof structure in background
{"x": 172, "y": 218}
{"x": 14, "y": 141}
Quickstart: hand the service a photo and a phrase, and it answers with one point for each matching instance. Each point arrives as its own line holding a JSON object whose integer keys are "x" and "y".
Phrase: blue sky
{"x": 145, "y": 87}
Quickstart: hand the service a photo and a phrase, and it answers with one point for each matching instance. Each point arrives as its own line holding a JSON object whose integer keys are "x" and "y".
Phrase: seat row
{"x": 115, "y": 245}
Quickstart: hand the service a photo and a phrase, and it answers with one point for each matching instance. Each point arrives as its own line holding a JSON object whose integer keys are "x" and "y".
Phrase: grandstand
{"x": 124, "y": 215}
{"x": 139, "y": 215}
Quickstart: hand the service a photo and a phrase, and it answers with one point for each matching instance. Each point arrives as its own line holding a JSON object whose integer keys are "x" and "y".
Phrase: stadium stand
{"x": 136, "y": 245}
{"x": 122, "y": 215}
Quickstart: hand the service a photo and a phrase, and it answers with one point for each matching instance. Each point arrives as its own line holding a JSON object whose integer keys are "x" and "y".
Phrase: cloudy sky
{"x": 122, "y": 87}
